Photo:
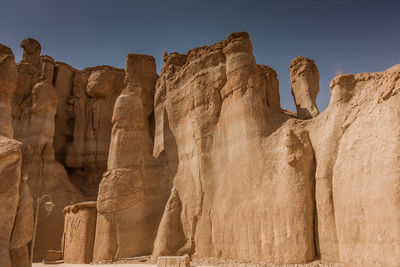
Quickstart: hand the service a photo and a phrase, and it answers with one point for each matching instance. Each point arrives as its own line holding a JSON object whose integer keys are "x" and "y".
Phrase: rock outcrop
{"x": 244, "y": 171}
{"x": 23, "y": 227}
{"x": 304, "y": 77}
{"x": 200, "y": 161}
{"x": 8, "y": 84}
{"x": 16, "y": 213}
{"x": 10, "y": 179}
{"x": 34, "y": 108}
{"x": 79, "y": 232}
{"x": 92, "y": 100}
{"x": 365, "y": 169}
{"x": 135, "y": 188}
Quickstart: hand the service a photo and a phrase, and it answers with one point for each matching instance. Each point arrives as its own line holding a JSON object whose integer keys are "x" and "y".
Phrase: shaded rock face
{"x": 86, "y": 116}
{"x": 34, "y": 108}
{"x": 304, "y": 77}
{"x": 10, "y": 179}
{"x": 79, "y": 232}
{"x": 243, "y": 171}
{"x": 16, "y": 213}
{"x": 135, "y": 188}
{"x": 23, "y": 227}
{"x": 8, "y": 84}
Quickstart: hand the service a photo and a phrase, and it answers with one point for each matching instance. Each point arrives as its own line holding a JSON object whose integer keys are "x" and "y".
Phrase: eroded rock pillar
{"x": 133, "y": 191}
{"x": 304, "y": 77}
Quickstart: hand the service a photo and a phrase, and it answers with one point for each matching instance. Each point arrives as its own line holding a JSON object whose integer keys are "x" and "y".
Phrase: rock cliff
{"x": 134, "y": 190}
{"x": 244, "y": 171}
{"x": 201, "y": 160}
{"x": 16, "y": 212}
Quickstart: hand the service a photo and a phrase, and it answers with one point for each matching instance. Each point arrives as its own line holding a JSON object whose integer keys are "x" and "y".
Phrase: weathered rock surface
{"x": 34, "y": 108}
{"x": 304, "y": 77}
{"x": 201, "y": 160}
{"x": 87, "y": 140}
{"x": 135, "y": 188}
{"x": 366, "y": 172}
{"x": 79, "y": 232}
{"x": 16, "y": 213}
{"x": 23, "y": 227}
{"x": 8, "y": 84}
{"x": 10, "y": 178}
{"x": 244, "y": 171}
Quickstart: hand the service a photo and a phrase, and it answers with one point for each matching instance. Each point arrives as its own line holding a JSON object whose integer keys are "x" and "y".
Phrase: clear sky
{"x": 341, "y": 36}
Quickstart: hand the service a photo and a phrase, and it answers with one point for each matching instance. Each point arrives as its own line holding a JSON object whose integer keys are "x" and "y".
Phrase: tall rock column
{"x": 304, "y": 77}
{"x": 243, "y": 185}
{"x": 8, "y": 84}
{"x": 34, "y": 109}
{"x": 134, "y": 190}
{"x": 16, "y": 210}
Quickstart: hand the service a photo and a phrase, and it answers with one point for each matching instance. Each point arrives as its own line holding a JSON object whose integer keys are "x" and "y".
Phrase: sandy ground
{"x": 209, "y": 262}
{"x": 92, "y": 265}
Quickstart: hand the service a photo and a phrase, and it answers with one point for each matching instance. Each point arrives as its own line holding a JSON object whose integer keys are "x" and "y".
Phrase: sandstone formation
{"x": 8, "y": 83}
{"x": 134, "y": 190}
{"x": 10, "y": 178}
{"x": 79, "y": 232}
{"x": 244, "y": 171}
{"x": 201, "y": 160}
{"x": 23, "y": 227}
{"x": 304, "y": 77}
{"x": 366, "y": 169}
{"x": 34, "y": 108}
{"x": 16, "y": 213}
{"x": 83, "y": 145}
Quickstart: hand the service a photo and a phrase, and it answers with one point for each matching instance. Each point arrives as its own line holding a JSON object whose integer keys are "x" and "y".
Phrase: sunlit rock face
{"x": 243, "y": 169}
{"x": 304, "y": 77}
{"x": 200, "y": 160}
{"x": 135, "y": 188}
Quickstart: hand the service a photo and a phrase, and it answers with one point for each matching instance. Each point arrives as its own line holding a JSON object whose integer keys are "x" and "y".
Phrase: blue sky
{"x": 341, "y": 36}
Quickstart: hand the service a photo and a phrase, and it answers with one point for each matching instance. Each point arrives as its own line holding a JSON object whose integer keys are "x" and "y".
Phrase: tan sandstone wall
{"x": 201, "y": 160}
{"x": 16, "y": 212}
{"x": 34, "y": 109}
{"x": 243, "y": 172}
{"x": 89, "y": 105}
